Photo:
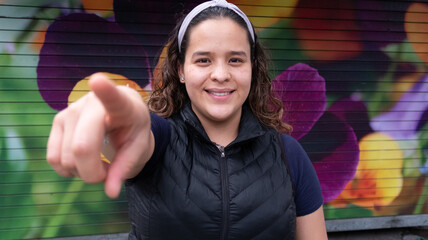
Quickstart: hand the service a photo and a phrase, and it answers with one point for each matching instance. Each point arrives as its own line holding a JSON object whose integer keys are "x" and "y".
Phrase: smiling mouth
{"x": 220, "y": 93}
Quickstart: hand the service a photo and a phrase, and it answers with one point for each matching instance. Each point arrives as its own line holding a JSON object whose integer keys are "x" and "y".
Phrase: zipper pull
{"x": 222, "y": 151}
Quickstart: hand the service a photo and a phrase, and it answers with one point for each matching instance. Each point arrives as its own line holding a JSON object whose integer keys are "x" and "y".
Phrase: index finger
{"x": 86, "y": 142}
{"x": 114, "y": 101}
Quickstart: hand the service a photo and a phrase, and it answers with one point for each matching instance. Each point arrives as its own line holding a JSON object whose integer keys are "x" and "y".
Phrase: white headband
{"x": 205, "y": 5}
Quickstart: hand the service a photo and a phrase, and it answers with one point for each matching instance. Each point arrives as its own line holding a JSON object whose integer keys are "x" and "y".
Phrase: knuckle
{"x": 73, "y": 109}
{"x": 51, "y": 159}
{"x": 68, "y": 162}
{"x": 80, "y": 148}
{"x": 58, "y": 119}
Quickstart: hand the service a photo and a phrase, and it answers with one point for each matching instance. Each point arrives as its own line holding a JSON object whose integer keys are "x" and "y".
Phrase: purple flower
{"x": 80, "y": 44}
{"x": 328, "y": 139}
{"x": 408, "y": 115}
{"x": 151, "y": 21}
{"x": 355, "y": 113}
{"x": 370, "y": 22}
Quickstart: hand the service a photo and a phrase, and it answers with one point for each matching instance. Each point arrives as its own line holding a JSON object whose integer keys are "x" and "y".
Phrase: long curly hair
{"x": 169, "y": 95}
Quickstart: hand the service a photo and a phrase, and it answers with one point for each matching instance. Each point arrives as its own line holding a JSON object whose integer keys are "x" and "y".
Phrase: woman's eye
{"x": 235, "y": 60}
{"x": 202, "y": 60}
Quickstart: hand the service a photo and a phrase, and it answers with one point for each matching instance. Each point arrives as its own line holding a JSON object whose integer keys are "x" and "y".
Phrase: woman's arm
{"x": 78, "y": 132}
{"x": 311, "y": 226}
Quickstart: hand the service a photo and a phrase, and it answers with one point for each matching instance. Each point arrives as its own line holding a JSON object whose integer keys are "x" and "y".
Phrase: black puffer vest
{"x": 200, "y": 192}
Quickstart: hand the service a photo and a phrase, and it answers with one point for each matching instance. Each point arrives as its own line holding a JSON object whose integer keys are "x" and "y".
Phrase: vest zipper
{"x": 225, "y": 192}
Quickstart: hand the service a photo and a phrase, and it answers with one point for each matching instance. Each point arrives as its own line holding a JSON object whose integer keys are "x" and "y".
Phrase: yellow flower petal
{"x": 378, "y": 180}
{"x": 82, "y": 87}
{"x": 268, "y": 13}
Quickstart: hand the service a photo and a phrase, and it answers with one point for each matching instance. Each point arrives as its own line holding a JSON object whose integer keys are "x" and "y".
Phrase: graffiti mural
{"x": 352, "y": 76}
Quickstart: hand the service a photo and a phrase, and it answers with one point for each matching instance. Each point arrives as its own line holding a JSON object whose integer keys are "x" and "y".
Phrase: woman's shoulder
{"x": 158, "y": 123}
{"x": 296, "y": 156}
{"x": 292, "y": 146}
{"x": 308, "y": 195}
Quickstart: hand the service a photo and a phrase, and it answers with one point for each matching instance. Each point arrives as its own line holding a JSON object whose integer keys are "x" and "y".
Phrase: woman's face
{"x": 217, "y": 70}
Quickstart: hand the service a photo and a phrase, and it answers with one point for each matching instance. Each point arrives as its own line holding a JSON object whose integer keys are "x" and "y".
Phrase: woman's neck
{"x": 221, "y": 133}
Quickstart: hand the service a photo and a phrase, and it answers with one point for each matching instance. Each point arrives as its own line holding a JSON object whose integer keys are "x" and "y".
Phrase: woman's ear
{"x": 181, "y": 73}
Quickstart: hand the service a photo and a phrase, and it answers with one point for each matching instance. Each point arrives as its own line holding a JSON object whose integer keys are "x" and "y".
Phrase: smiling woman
{"x": 224, "y": 101}
{"x": 218, "y": 166}
{"x": 351, "y": 77}
{"x": 217, "y": 73}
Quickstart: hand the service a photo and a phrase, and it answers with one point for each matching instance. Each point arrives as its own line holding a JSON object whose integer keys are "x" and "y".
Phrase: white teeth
{"x": 220, "y": 94}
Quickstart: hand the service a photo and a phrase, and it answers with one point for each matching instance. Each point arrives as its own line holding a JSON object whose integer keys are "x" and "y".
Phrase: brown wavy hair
{"x": 169, "y": 95}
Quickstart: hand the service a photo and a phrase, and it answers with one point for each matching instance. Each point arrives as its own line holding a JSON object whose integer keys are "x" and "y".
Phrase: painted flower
{"x": 331, "y": 31}
{"x": 126, "y": 45}
{"x": 415, "y": 24}
{"x": 326, "y": 33}
{"x": 378, "y": 180}
{"x": 375, "y": 31}
{"x": 406, "y": 122}
{"x": 80, "y": 44}
{"x": 390, "y": 168}
{"x": 266, "y": 14}
{"x": 408, "y": 116}
{"x": 328, "y": 139}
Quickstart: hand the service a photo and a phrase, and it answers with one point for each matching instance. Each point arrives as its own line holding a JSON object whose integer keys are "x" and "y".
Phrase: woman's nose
{"x": 220, "y": 72}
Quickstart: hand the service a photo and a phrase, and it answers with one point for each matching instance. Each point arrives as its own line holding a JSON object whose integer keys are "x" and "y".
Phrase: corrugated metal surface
{"x": 352, "y": 75}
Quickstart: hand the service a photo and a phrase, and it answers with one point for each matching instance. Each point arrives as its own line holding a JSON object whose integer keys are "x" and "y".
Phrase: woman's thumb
{"x": 114, "y": 181}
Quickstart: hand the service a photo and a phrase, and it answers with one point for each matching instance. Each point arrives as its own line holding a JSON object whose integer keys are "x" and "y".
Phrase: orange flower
{"x": 416, "y": 27}
{"x": 101, "y": 7}
{"x": 378, "y": 180}
{"x": 325, "y": 39}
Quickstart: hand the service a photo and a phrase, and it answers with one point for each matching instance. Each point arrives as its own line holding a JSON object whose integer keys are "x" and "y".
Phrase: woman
{"x": 217, "y": 168}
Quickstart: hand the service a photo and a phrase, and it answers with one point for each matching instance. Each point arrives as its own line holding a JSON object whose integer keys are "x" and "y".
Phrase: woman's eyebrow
{"x": 206, "y": 53}
{"x": 200, "y": 53}
{"x": 240, "y": 53}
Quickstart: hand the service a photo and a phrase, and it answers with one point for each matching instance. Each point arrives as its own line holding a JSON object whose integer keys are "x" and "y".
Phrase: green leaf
{"x": 423, "y": 145}
{"x": 282, "y": 46}
{"x": 401, "y": 52}
{"x": 350, "y": 211}
{"x": 15, "y": 211}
